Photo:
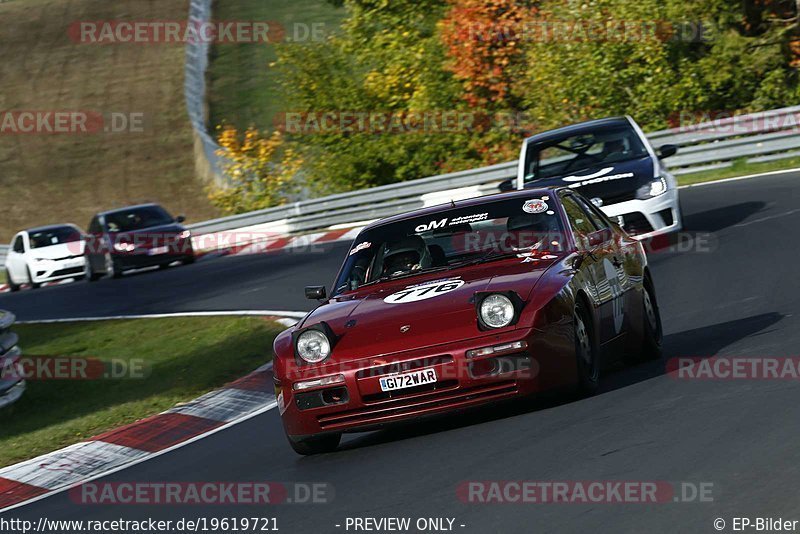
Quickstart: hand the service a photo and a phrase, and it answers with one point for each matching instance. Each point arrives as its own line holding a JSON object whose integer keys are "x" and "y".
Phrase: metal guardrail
{"x": 3, "y": 254}
{"x": 711, "y": 145}
{"x": 195, "y": 91}
{"x": 11, "y": 385}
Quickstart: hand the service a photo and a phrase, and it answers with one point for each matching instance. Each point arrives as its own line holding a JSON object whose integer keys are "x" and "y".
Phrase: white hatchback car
{"x": 613, "y": 164}
{"x": 45, "y": 254}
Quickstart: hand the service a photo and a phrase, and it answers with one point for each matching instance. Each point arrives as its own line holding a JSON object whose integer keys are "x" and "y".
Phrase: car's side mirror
{"x": 508, "y": 185}
{"x": 180, "y": 219}
{"x": 666, "y": 151}
{"x": 599, "y": 237}
{"x": 315, "y": 292}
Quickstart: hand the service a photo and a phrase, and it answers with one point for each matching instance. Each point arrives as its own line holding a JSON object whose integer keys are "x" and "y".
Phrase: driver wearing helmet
{"x": 406, "y": 255}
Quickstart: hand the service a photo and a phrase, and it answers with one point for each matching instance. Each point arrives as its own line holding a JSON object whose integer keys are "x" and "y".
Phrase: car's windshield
{"x": 586, "y": 149}
{"x": 137, "y": 219}
{"x": 54, "y": 236}
{"x": 452, "y": 238}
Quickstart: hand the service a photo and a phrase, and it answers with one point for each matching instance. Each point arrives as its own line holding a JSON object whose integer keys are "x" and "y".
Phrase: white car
{"x": 612, "y": 163}
{"x": 45, "y": 254}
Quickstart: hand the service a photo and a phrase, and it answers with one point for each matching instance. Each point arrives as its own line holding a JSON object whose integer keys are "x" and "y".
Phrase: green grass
{"x": 243, "y": 90}
{"x": 739, "y": 168}
{"x": 186, "y": 357}
{"x": 2, "y": 277}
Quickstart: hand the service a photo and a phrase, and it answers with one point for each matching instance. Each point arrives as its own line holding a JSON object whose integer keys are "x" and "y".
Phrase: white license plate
{"x": 408, "y": 380}
{"x": 157, "y": 251}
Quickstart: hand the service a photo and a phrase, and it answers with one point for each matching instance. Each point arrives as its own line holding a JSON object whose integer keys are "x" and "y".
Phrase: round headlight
{"x": 497, "y": 311}
{"x": 313, "y": 346}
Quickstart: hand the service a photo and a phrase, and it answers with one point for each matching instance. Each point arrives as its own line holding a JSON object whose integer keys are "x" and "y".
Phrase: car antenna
{"x": 452, "y": 203}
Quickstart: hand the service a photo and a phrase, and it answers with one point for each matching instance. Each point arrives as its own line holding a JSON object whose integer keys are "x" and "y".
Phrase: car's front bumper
{"x": 648, "y": 218}
{"x": 54, "y": 270}
{"x": 359, "y": 404}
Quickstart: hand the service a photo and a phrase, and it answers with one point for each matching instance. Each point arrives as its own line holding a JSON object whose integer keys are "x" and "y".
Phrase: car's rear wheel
{"x": 188, "y": 260}
{"x": 11, "y": 285}
{"x": 33, "y": 284}
{"x": 586, "y": 352}
{"x": 653, "y": 333}
{"x": 315, "y": 444}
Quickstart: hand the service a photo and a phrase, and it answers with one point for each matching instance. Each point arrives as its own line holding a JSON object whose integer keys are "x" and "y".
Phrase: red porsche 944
{"x": 459, "y": 305}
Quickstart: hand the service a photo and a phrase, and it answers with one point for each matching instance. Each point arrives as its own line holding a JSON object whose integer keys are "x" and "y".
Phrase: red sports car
{"x": 464, "y": 304}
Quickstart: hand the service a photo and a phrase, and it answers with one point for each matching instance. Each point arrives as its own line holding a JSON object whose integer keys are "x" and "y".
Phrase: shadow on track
{"x": 718, "y": 219}
{"x": 699, "y": 342}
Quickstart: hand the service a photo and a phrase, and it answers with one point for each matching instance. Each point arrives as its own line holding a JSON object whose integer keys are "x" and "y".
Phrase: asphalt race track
{"x": 736, "y": 293}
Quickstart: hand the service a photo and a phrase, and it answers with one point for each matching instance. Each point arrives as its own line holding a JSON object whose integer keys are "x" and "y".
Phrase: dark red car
{"x": 463, "y": 304}
{"x": 133, "y": 238}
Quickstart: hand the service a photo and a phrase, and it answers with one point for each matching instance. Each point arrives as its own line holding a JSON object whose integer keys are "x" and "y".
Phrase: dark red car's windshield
{"x": 451, "y": 238}
{"x": 138, "y": 219}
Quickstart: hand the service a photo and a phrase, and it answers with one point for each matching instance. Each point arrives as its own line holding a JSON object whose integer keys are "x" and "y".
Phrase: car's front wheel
{"x": 33, "y": 284}
{"x": 653, "y": 333}
{"x": 586, "y": 352}
{"x": 315, "y": 444}
{"x": 112, "y": 270}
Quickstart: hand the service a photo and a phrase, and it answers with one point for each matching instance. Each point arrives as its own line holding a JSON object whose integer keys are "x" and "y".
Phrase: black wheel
{"x": 188, "y": 260}
{"x": 112, "y": 269}
{"x": 11, "y": 285}
{"x": 163, "y": 266}
{"x": 33, "y": 284}
{"x": 653, "y": 333}
{"x": 315, "y": 444}
{"x": 586, "y": 352}
{"x": 90, "y": 275}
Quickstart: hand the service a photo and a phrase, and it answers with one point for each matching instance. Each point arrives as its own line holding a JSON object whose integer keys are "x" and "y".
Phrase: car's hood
{"x": 58, "y": 252}
{"x": 366, "y": 325}
{"x": 612, "y": 182}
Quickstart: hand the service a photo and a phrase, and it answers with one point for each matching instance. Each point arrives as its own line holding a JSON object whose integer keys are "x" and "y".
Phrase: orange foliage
{"x": 484, "y": 41}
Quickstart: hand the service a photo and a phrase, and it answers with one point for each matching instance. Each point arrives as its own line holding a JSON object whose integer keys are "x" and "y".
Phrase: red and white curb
{"x": 118, "y": 449}
{"x": 255, "y": 243}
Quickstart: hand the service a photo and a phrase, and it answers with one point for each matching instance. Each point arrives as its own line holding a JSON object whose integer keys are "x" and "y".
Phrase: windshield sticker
{"x": 361, "y": 246}
{"x": 423, "y": 292}
{"x": 467, "y": 219}
{"x": 441, "y": 223}
{"x": 535, "y": 206}
{"x": 433, "y": 225}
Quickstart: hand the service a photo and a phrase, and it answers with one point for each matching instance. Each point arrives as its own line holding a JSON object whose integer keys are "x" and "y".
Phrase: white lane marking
{"x": 150, "y": 456}
{"x": 239, "y": 313}
{"x": 762, "y": 219}
{"x": 737, "y": 178}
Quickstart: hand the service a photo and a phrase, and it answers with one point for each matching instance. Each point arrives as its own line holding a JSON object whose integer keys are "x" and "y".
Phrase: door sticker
{"x": 616, "y": 294}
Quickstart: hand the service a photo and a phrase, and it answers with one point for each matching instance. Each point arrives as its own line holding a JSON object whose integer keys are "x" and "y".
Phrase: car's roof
{"x": 49, "y": 227}
{"x": 577, "y": 128}
{"x": 128, "y": 208}
{"x": 477, "y": 201}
